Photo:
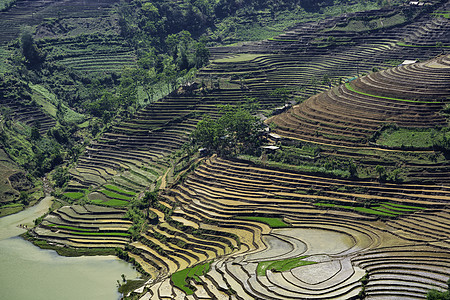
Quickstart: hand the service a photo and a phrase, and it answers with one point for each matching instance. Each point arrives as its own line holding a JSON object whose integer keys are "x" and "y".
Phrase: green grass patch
{"x": 281, "y": 265}
{"x": 325, "y": 204}
{"x": 365, "y": 210}
{"x": 444, "y": 14}
{"x": 368, "y": 211}
{"x": 69, "y": 227}
{"x": 112, "y": 202}
{"x": 12, "y": 205}
{"x": 399, "y": 137}
{"x": 9, "y": 210}
{"x": 49, "y": 102}
{"x": 367, "y": 25}
{"x": 179, "y": 278}
{"x": 387, "y": 210}
{"x": 74, "y": 195}
{"x": 348, "y": 86}
{"x": 304, "y": 166}
{"x": 119, "y": 190}
{"x": 130, "y": 286}
{"x": 85, "y": 124}
{"x": 272, "y": 222}
{"x": 111, "y": 194}
{"x": 421, "y": 46}
{"x": 384, "y": 209}
{"x": 281, "y": 40}
{"x": 102, "y": 233}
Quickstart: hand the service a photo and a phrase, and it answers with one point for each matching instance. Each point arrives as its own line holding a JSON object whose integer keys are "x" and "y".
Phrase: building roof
{"x": 408, "y": 62}
{"x": 270, "y": 147}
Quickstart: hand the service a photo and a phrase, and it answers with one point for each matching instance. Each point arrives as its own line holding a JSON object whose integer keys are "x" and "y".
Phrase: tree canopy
{"x": 235, "y": 131}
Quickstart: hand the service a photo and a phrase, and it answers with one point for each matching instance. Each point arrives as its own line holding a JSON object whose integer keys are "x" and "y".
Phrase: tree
{"x": 283, "y": 93}
{"x": 35, "y": 135}
{"x": 24, "y": 198}
{"x": 436, "y": 295}
{"x": 352, "y": 168}
{"x": 169, "y": 72}
{"x": 28, "y": 47}
{"x": 201, "y": 55}
{"x": 61, "y": 176}
{"x": 380, "y": 170}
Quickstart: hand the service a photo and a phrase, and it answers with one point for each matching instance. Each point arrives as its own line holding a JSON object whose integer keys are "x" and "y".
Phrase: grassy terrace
{"x": 384, "y": 209}
{"x": 113, "y": 195}
{"x": 272, "y": 222}
{"x": 121, "y": 191}
{"x": 281, "y": 265}
{"x": 111, "y": 202}
{"x": 74, "y": 195}
{"x": 419, "y": 138}
{"x": 421, "y": 46}
{"x": 348, "y": 86}
{"x": 180, "y": 278}
{"x": 82, "y": 231}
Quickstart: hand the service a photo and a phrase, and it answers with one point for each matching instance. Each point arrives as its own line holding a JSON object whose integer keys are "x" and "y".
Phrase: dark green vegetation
{"x": 437, "y": 295}
{"x": 236, "y": 131}
{"x": 130, "y": 285}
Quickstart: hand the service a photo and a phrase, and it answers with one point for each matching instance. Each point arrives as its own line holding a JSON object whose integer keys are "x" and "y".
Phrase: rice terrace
{"x": 227, "y": 149}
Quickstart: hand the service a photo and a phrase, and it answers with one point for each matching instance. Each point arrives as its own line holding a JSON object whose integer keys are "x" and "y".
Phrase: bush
{"x": 61, "y": 176}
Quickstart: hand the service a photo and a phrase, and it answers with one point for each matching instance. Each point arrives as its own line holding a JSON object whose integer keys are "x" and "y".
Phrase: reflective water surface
{"x": 28, "y": 272}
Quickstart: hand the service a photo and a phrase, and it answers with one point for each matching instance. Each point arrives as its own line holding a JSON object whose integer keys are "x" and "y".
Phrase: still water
{"x": 28, "y": 272}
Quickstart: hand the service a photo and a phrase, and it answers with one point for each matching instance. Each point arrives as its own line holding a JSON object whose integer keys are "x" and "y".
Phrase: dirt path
{"x": 164, "y": 179}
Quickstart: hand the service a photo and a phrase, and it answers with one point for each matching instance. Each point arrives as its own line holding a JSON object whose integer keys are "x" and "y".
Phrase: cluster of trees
{"x": 150, "y": 22}
{"x": 437, "y": 295}
{"x": 35, "y": 152}
{"x": 236, "y": 131}
{"x": 31, "y": 53}
{"x": 138, "y": 212}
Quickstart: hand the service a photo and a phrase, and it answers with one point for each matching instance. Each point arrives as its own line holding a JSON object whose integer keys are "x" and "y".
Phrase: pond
{"x": 29, "y": 272}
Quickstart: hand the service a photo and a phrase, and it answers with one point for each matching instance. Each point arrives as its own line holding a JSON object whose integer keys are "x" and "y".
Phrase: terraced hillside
{"x": 313, "y": 56}
{"x": 382, "y": 232}
{"x": 300, "y": 261}
{"x": 233, "y": 229}
{"x": 394, "y": 235}
{"x": 348, "y": 115}
{"x": 291, "y": 64}
{"x": 27, "y": 12}
{"x": 85, "y": 226}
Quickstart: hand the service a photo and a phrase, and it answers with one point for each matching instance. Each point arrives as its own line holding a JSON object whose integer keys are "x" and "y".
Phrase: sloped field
{"x": 348, "y": 115}
{"x": 85, "y": 227}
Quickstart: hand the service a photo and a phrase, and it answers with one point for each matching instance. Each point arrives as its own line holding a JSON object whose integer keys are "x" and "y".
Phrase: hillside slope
{"x": 359, "y": 156}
